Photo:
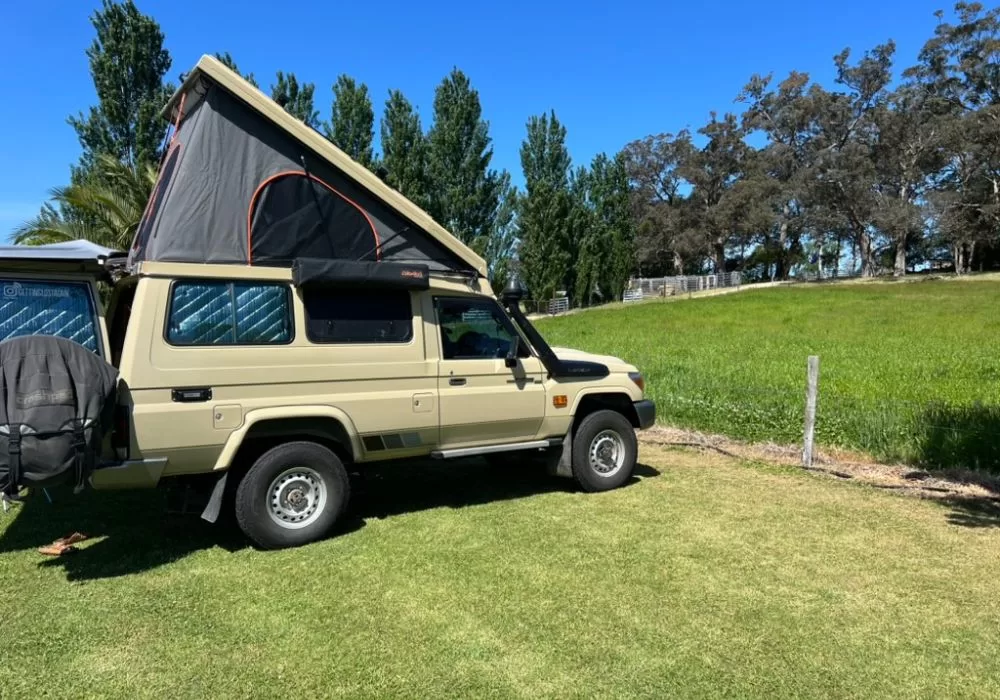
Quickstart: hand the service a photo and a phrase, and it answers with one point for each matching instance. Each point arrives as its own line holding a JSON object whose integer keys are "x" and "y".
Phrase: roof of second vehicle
{"x": 81, "y": 255}
{"x": 66, "y": 250}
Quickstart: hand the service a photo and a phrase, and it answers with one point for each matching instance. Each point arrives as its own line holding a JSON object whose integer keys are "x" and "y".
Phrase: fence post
{"x": 812, "y": 383}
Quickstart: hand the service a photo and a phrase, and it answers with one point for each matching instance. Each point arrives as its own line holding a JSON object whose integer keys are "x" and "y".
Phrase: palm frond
{"x": 106, "y": 209}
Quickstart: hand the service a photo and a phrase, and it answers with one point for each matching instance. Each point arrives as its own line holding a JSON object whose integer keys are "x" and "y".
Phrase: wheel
{"x": 292, "y": 495}
{"x": 604, "y": 451}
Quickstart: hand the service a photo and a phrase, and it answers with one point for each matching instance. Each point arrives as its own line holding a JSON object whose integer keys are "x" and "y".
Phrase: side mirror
{"x": 510, "y": 361}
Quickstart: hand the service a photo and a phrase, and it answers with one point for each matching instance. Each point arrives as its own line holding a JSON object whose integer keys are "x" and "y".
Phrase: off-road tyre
{"x": 279, "y": 482}
{"x": 606, "y": 432}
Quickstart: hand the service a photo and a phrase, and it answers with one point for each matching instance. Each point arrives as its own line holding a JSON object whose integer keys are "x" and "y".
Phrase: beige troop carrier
{"x": 283, "y": 314}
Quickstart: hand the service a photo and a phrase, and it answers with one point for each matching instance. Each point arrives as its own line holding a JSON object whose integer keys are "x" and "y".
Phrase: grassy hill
{"x": 907, "y": 370}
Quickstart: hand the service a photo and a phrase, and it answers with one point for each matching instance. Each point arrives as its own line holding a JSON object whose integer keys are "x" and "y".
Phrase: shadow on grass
{"x": 133, "y": 530}
{"x": 390, "y": 488}
{"x": 964, "y": 441}
{"x": 963, "y": 437}
{"x": 974, "y": 512}
{"x": 136, "y": 532}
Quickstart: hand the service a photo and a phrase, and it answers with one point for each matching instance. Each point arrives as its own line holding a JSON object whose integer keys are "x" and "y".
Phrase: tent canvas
{"x": 244, "y": 182}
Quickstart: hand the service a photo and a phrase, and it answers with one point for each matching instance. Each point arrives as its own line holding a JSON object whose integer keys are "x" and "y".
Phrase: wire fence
{"x": 840, "y": 272}
{"x": 640, "y": 288}
{"x": 559, "y": 305}
{"x": 933, "y": 433}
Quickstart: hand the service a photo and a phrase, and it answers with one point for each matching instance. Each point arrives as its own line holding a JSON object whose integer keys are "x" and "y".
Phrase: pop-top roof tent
{"x": 244, "y": 182}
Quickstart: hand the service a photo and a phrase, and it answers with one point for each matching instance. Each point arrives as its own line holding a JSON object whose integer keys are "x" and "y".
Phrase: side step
{"x": 493, "y": 449}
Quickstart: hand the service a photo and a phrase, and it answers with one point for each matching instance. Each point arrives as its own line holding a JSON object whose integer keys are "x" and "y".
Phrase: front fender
{"x": 285, "y": 412}
{"x": 628, "y": 393}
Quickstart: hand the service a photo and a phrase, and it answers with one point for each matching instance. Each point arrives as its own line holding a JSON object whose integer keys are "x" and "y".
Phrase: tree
{"x": 111, "y": 206}
{"x": 352, "y": 120}
{"x": 653, "y": 168}
{"x": 500, "y": 247}
{"x": 464, "y": 190}
{"x": 127, "y": 64}
{"x": 547, "y": 248}
{"x": 906, "y": 153}
{"x": 609, "y": 194}
{"x": 846, "y": 179}
{"x": 787, "y": 164}
{"x": 296, "y": 99}
{"x": 588, "y": 241}
{"x": 959, "y": 77}
{"x": 714, "y": 172}
{"x": 404, "y": 149}
{"x": 228, "y": 62}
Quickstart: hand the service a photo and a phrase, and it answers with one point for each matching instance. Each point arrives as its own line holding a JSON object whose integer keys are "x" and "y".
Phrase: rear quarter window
{"x": 61, "y": 309}
{"x": 216, "y": 313}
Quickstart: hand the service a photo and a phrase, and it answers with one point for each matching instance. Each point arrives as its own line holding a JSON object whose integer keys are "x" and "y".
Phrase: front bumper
{"x": 646, "y": 411}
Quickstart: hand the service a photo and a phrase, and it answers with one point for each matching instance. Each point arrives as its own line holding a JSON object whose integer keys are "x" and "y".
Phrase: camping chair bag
{"x": 57, "y": 400}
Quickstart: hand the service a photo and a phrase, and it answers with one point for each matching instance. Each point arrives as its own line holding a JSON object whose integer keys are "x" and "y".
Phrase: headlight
{"x": 639, "y": 381}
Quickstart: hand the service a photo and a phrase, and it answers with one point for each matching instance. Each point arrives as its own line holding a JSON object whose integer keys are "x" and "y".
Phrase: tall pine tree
{"x": 499, "y": 247}
{"x": 546, "y": 252}
{"x": 352, "y": 120}
{"x": 127, "y": 64}
{"x": 229, "y": 62}
{"x": 465, "y": 192}
{"x": 297, "y": 99}
{"x": 588, "y": 241}
{"x": 404, "y": 149}
{"x": 610, "y": 198}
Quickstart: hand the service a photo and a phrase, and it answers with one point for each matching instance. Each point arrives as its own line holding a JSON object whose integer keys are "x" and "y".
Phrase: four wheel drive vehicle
{"x": 271, "y": 325}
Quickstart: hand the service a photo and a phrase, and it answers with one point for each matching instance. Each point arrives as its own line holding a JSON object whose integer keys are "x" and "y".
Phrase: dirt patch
{"x": 949, "y": 484}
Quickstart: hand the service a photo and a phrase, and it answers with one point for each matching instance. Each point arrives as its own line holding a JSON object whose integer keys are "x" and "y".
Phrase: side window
{"x": 229, "y": 313}
{"x": 342, "y": 316}
{"x": 474, "y": 329}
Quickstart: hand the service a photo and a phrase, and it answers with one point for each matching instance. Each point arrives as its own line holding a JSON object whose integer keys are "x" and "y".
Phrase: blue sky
{"x": 612, "y": 71}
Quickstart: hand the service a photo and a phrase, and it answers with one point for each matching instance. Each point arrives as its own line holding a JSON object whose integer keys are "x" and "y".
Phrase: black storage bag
{"x": 57, "y": 401}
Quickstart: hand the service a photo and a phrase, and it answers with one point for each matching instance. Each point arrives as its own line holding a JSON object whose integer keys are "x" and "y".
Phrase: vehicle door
{"x": 482, "y": 400}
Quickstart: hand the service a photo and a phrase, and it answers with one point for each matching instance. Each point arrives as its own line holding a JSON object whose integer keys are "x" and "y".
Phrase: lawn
{"x": 706, "y": 577}
{"x": 908, "y": 371}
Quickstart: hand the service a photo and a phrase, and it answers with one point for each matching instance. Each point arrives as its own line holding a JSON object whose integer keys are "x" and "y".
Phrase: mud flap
{"x": 214, "y": 505}
{"x": 564, "y": 467}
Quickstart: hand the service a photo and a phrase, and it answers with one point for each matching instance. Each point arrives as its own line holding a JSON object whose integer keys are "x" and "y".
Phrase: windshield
{"x": 62, "y": 309}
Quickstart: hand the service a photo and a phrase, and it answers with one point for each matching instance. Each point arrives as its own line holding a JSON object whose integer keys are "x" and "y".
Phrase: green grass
{"x": 908, "y": 371}
{"x": 709, "y": 579}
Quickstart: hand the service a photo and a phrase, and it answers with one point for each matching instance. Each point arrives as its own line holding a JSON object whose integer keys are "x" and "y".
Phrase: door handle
{"x": 192, "y": 395}
{"x": 457, "y": 381}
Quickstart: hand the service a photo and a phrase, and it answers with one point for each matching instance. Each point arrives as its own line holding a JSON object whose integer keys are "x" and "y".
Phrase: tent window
{"x": 156, "y": 199}
{"x": 342, "y": 316}
{"x": 295, "y": 216}
{"x": 229, "y": 313}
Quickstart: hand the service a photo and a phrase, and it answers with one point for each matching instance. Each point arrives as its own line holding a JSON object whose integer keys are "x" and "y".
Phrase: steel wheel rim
{"x": 607, "y": 453}
{"x": 296, "y": 498}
